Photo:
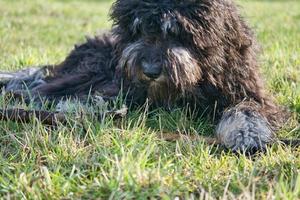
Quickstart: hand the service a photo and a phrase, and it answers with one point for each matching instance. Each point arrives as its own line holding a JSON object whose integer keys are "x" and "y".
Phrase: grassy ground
{"x": 126, "y": 159}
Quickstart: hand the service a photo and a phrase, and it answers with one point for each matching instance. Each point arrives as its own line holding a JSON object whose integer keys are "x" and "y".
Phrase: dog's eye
{"x": 169, "y": 24}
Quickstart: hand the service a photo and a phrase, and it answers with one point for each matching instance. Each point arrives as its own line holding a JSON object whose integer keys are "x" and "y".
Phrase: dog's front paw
{"x": 244, "y": 130}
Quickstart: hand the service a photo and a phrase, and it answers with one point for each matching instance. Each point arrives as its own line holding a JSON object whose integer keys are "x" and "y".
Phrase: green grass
{"x": 126, "y": 159}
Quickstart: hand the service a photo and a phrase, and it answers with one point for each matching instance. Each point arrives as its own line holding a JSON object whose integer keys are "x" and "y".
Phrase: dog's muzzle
{"x": 151, "y": 70}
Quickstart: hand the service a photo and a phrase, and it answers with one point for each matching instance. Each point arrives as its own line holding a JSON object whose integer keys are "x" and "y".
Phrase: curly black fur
{"x": 174, "y": 52}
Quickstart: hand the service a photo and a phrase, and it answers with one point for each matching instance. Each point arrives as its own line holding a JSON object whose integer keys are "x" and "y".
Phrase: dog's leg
{"x": 23, "y": 80}
{"x": 244, "y": 129}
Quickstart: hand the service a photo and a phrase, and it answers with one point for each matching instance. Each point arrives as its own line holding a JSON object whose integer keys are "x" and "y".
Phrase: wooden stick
{"x": 294, "y": 142}
{"x": 25, "y": 116}
{"x": 172, "y": 137}
{"x": 49, "y": 118}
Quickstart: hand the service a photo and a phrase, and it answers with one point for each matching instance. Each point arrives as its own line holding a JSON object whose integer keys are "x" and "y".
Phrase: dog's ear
{"x": 123, "y": 12}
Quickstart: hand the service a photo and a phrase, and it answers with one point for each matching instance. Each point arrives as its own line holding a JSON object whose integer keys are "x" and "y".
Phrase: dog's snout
{"x": 151, "y": 70}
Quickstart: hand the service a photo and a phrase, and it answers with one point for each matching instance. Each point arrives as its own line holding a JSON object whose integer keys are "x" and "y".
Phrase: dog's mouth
{"x": 150, "y": 81}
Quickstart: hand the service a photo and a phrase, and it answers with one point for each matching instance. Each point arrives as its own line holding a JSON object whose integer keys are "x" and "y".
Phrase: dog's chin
{"x": 161, "y": 92}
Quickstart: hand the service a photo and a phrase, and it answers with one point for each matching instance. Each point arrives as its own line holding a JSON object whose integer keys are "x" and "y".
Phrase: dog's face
{"x": 159, "y": 42}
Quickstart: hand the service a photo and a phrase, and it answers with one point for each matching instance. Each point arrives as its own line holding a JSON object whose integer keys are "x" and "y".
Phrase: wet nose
{"x": 151, "y": 70}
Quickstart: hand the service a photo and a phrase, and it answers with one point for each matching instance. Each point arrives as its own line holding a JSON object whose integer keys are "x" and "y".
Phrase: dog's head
{"x": 168, "y": 44}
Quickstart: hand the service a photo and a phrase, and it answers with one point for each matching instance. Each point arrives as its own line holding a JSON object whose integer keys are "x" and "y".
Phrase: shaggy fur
{"x": 172, "y": 53}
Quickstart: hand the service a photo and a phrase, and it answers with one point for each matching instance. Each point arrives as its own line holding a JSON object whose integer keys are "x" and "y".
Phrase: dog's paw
{"x": 244, "y": 131}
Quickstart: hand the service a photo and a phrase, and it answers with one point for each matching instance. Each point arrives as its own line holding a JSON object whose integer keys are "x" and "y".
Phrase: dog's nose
{"x": 151, "y": 70}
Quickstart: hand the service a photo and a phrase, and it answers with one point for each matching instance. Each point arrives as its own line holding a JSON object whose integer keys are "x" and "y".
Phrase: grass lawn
{"x": 126, "y": 159}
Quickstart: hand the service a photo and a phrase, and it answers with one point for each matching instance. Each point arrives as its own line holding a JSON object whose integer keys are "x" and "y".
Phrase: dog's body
{"x": 172, "y": 53}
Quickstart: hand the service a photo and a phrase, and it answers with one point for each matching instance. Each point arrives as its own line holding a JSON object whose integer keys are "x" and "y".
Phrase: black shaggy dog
{"x": 171, "y": 53}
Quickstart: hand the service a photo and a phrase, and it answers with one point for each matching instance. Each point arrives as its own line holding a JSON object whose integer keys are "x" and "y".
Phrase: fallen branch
{"x": 26, "y": 116}
{"x": 50, "y": 118}
{"x": 172, "y": 137}
{"x": 295, "y": 142}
